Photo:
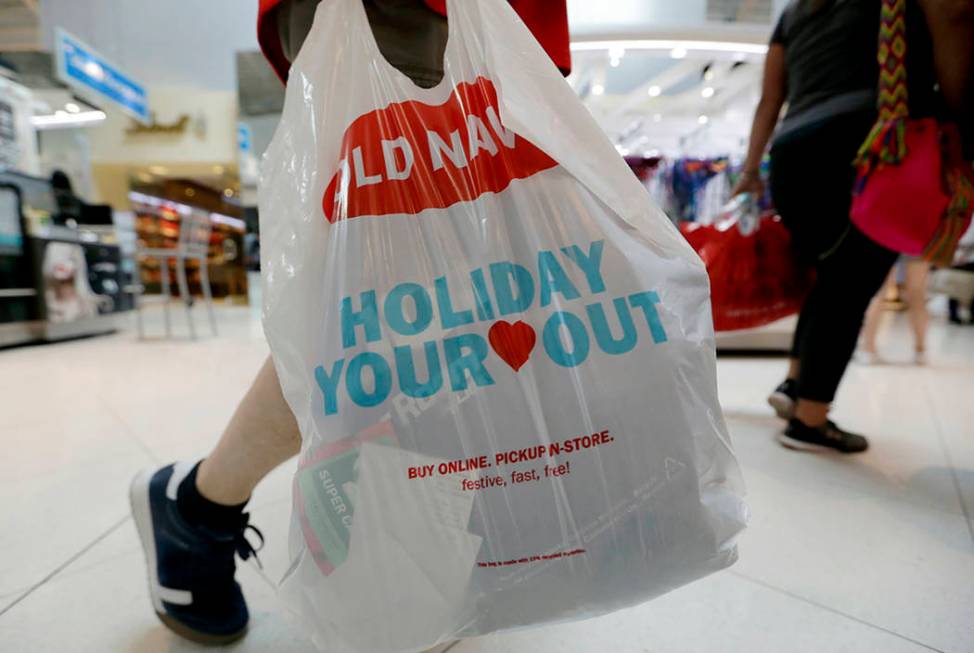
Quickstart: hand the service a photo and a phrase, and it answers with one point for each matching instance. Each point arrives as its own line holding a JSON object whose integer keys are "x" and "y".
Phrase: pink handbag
{"x": 901, "y": 205}
{"x": 900, "y": 196}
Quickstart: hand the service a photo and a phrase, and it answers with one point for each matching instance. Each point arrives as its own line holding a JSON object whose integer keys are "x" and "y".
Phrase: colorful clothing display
{"x": 692, "y": 189}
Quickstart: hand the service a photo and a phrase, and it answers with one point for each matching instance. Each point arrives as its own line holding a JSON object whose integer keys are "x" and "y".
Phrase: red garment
{"x": 547, "y": 20}
{"x": 755, "y": 278}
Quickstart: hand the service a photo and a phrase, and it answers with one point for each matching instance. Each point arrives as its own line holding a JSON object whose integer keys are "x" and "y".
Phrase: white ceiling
{"x": 162, "y": 42}
{"x": 650, "y": 102}
{"x": 670, "y": 18}
{"x": 699, "y": 102}
{"x": 194, "y": 42}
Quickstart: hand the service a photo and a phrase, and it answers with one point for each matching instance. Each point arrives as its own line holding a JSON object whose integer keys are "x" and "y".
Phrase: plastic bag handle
{"x": 355, "y": 10}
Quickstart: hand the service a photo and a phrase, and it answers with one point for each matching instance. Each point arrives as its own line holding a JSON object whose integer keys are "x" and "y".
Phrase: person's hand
{"x": 749, "y": 182}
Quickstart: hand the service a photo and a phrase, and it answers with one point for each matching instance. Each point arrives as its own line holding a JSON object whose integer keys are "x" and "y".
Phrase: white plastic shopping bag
{"x": 499, "y": 352}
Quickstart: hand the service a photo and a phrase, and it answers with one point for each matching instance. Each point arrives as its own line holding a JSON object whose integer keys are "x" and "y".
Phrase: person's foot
{"x": 920, "y": 357}
{"x": 955, "y": 319}
{"x": 827, "y": 437}
{"x": 870, "y": 357}
{"x": 191, "y": 568}
{"x": 784, "y": 398}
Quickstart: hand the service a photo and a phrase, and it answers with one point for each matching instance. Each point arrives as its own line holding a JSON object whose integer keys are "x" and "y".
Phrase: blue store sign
{"x": 85, "y": 70}
{"x": 243, "y": 138}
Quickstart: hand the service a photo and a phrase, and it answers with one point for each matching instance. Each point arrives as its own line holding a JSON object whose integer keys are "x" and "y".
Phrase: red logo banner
{"x": 411, "y": 156}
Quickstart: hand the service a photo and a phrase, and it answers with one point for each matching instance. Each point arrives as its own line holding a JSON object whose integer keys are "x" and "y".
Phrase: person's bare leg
{"x": 191, "y": 520}
{"x": 261, "y": 435}
{"x": 812, "y": 413}
{"x": 794, "y": 367}
{"x": 870, "y": 327}
{"x": 916, "y": 299}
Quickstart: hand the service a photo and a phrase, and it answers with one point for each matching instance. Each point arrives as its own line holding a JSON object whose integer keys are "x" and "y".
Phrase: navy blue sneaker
{"x": 191, "y": 568}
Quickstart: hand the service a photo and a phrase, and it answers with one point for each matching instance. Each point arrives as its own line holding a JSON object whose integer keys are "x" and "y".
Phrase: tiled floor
{"x": 868, "y": 553}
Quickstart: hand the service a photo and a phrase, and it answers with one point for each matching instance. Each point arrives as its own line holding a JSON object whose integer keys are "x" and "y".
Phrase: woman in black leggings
{"x": 822, "y": 60}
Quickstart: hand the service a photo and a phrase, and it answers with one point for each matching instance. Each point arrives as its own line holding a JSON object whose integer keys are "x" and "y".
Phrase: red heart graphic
{"x": 512, "y": 342}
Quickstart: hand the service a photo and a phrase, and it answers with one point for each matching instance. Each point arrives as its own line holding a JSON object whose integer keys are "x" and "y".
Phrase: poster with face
{"x": 67, "y": 293}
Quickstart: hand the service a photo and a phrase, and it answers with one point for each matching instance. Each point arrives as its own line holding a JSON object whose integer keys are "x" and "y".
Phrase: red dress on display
{"x": 547, "y": 20}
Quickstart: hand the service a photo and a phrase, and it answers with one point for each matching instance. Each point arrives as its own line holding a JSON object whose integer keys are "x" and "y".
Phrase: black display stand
{"x": 56, "y": 281}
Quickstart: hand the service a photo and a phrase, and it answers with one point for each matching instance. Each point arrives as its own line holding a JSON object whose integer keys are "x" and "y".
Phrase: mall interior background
{"x": 875, "y": 554}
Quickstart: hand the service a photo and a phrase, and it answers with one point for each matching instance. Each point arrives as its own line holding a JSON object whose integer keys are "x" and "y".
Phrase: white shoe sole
{"x": 142, "y": 515}
{"x": 784, "y": 406}
{"x": 801, "y": 445}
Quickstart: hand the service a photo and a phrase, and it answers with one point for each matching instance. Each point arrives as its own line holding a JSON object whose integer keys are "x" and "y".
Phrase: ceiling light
{"x": 72, "y": 107}
{"x": 654, "y": 91}
{"x": 703, "y": 120}
{"x": 707, "y": 91}
{"x": 678, "y": 53}
{"x": 236, "y": 223}
{"x": 94, "y": 70}
{"x": 62, "y": 119}
{"x": 228, "y": 193}
{"x": 597, "y": 89}
{"x": 615, "y": 56}
{"x": 151, "y": 200}
{"x": 738, "y": 49}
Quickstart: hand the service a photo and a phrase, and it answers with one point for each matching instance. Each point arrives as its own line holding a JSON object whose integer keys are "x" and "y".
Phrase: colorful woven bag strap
{"x": 959, "y": 178}
{"x": 893, "y": 94}
{"x": 887, "y": 140}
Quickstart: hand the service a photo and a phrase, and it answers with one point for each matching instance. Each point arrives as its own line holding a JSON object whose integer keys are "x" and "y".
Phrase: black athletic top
{"x": 830, "y": 59}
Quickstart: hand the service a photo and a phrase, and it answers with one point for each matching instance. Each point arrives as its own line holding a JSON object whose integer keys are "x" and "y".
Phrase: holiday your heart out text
{"x": 500, "y": 289}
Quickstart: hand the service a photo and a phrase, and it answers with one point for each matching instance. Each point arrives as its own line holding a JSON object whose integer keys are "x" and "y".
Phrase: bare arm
{"x": 773, "y": 93}
{"x": 951, "y": 24}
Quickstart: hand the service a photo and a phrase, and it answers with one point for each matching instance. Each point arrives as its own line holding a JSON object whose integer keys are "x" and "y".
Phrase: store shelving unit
{"x": 158, "y": 215}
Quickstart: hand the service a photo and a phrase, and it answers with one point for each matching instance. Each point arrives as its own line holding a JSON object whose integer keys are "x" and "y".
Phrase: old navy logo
{"x": 567, "y": 336}
{"x": 411, "y": 156}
